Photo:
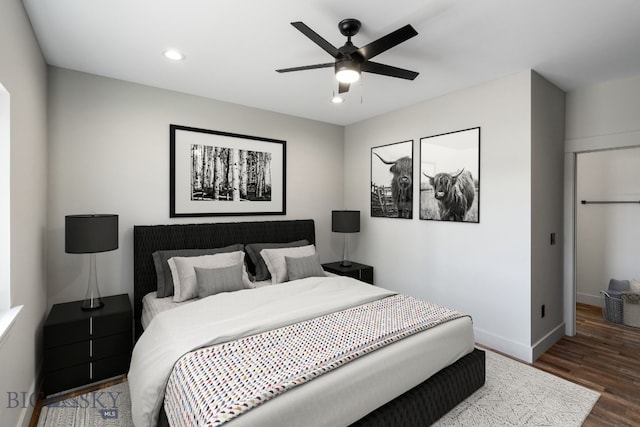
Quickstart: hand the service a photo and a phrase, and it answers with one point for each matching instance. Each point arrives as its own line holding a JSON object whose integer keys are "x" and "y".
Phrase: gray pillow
{"x": 163, "y": 273}
{"x": 212, "y": 281}
{"x": 619, "y": 285}
{"x": 308, "y": 266}
{"x": 253, "y": 250}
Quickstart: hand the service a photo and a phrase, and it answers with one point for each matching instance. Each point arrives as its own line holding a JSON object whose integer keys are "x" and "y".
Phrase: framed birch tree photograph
{"x": 217, "y": 173}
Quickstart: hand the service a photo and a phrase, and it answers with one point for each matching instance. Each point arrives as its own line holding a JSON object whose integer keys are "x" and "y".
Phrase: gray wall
{"x": 109, "y": 153}
{"x": 547, "y": 167}
{"x": 23, "y": 74}
{"x": 482, "y": 269}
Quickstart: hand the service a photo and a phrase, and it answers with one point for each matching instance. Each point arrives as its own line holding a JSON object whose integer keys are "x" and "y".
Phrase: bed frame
{"x": 422, "y": 405}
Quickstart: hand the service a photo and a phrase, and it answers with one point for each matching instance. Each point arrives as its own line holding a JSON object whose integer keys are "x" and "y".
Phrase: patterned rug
{"x": 515, "y": 394}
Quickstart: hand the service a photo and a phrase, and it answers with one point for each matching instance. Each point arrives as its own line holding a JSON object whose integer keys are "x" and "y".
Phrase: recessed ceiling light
{"x": 173, "y": 55}
{"x": 337, "y": 99}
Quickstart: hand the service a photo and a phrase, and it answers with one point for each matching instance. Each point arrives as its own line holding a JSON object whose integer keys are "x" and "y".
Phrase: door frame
{"x": 573, "y": 147}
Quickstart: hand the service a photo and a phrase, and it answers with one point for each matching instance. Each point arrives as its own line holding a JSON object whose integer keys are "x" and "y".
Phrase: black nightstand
{"x": 357, "y": 271}
{"x": 81, "y": 347}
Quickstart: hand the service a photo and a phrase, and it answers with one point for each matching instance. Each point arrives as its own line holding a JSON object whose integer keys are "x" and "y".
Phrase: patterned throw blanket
{"x": 215, "y": 384}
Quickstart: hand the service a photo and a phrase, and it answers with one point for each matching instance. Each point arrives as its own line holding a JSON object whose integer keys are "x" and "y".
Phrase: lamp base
{"x": 92, "y": 304}
{"x": 346, "y": 263}
{"x": 92, "y": 299}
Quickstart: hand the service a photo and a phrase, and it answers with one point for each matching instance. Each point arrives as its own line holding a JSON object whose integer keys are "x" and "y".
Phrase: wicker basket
{"x": 613, "y": 306}
{"x": 631, "y": 309}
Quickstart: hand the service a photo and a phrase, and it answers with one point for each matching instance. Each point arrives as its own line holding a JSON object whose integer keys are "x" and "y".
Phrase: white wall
{"x": 482, "y": 269}
{"x": 109, "y": 153}
{"x": 23, "y": 74}
{"x": 608, "y": 236}
{"x": 547, "y": 167}
{"x": 605, "y": 109}
{"x": 599, "y": 117}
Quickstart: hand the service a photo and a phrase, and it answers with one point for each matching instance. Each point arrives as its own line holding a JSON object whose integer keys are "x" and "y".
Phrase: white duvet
{"x": 228, "y": 316}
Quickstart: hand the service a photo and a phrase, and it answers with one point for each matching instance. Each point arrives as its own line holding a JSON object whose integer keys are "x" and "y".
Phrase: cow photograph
{"x": 450, "y": 176}
{"x": 392, "y": 180}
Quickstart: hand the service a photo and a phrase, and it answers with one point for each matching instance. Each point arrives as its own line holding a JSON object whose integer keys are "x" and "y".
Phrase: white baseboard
{"x": 589, "y": 299}
{"x": 514, "y": 349}
{"x": 548, "y": 340}
{"x": 27, "y": 410}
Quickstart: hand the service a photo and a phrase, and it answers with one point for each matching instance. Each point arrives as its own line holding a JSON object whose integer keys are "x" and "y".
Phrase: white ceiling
{"x": 232, "y": 47}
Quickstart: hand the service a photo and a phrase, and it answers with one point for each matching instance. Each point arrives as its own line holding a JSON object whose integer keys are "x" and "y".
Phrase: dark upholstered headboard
{"x": 150, "y": 238}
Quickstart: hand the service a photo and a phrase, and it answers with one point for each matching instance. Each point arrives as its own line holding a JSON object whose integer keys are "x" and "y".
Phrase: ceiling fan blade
{"x": 387, "y": 42}
{"x": 306, "y": 67}
{"x": 343, "y": 87}
{"x": 388, "y": 70}
{"x": 317, "y": 39}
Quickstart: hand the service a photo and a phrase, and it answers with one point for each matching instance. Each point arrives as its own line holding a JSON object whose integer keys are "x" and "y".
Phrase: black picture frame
{"x": 392, "y": 180}
{"x": 250, "y": 180}
{"x": 450, "y": 176}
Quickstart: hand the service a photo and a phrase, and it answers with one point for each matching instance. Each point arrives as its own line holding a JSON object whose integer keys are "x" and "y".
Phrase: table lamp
{"x": 90, "y": 234}
{"x": 345, "y": 222}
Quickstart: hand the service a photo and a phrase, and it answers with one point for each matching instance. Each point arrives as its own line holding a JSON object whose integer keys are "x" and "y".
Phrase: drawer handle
{"x": 90, "y": 370}
{"x": 91, "y": 326}
{"x": 90, "y": 348}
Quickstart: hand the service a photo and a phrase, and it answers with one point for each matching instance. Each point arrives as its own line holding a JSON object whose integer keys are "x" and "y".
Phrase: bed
{"x": 421, "y": 404}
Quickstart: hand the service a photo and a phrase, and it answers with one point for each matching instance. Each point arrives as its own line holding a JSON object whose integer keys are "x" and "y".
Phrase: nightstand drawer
{"x": 113, "y": 345}
{"x": 85, "y": 329}
{"x": 78, "y": 375}
{"x": 65, "y": 379}
{"x": 110, "y": 367}
{"x": 85, "y": 351}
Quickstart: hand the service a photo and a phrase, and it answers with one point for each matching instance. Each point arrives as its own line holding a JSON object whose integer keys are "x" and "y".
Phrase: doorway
{"x": 603, "y": 233}
{"x": 607, "y": 226}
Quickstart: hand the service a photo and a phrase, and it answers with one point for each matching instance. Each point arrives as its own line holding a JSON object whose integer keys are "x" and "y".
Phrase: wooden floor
{"x": 604, "y": 357}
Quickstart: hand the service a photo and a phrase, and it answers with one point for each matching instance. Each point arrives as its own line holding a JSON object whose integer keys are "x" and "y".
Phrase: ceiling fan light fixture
{"x": 347, "y": 71}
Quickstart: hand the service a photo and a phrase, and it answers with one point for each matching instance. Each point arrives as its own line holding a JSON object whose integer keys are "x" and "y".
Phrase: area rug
{"x": 515, "y": 394}
{"x": 108, "y": 407}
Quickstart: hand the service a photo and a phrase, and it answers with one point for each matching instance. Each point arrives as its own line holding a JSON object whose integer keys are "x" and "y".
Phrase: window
{"x": 5, "y": 212}
{"x": 7, "y": 314}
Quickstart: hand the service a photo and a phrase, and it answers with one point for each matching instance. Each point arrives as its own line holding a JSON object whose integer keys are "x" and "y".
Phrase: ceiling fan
{"x": 350, "y": 60}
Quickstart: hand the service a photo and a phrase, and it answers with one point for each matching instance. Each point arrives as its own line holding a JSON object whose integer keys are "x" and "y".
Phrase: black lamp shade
{"x": 85, "y": 234}
{"x": 345, "y": 221}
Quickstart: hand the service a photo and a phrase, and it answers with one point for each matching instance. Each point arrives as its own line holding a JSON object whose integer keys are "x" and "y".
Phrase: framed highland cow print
{"x": 222, "y": 174}
{"x": 392, "y": 180}
{"x": 450, "y": 176}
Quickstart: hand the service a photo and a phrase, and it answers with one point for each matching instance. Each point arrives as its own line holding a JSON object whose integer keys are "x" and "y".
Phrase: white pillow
{"x": 276, "y": 264}
{"x": 634, "y": 285}
{"x": 185, "y": 281}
